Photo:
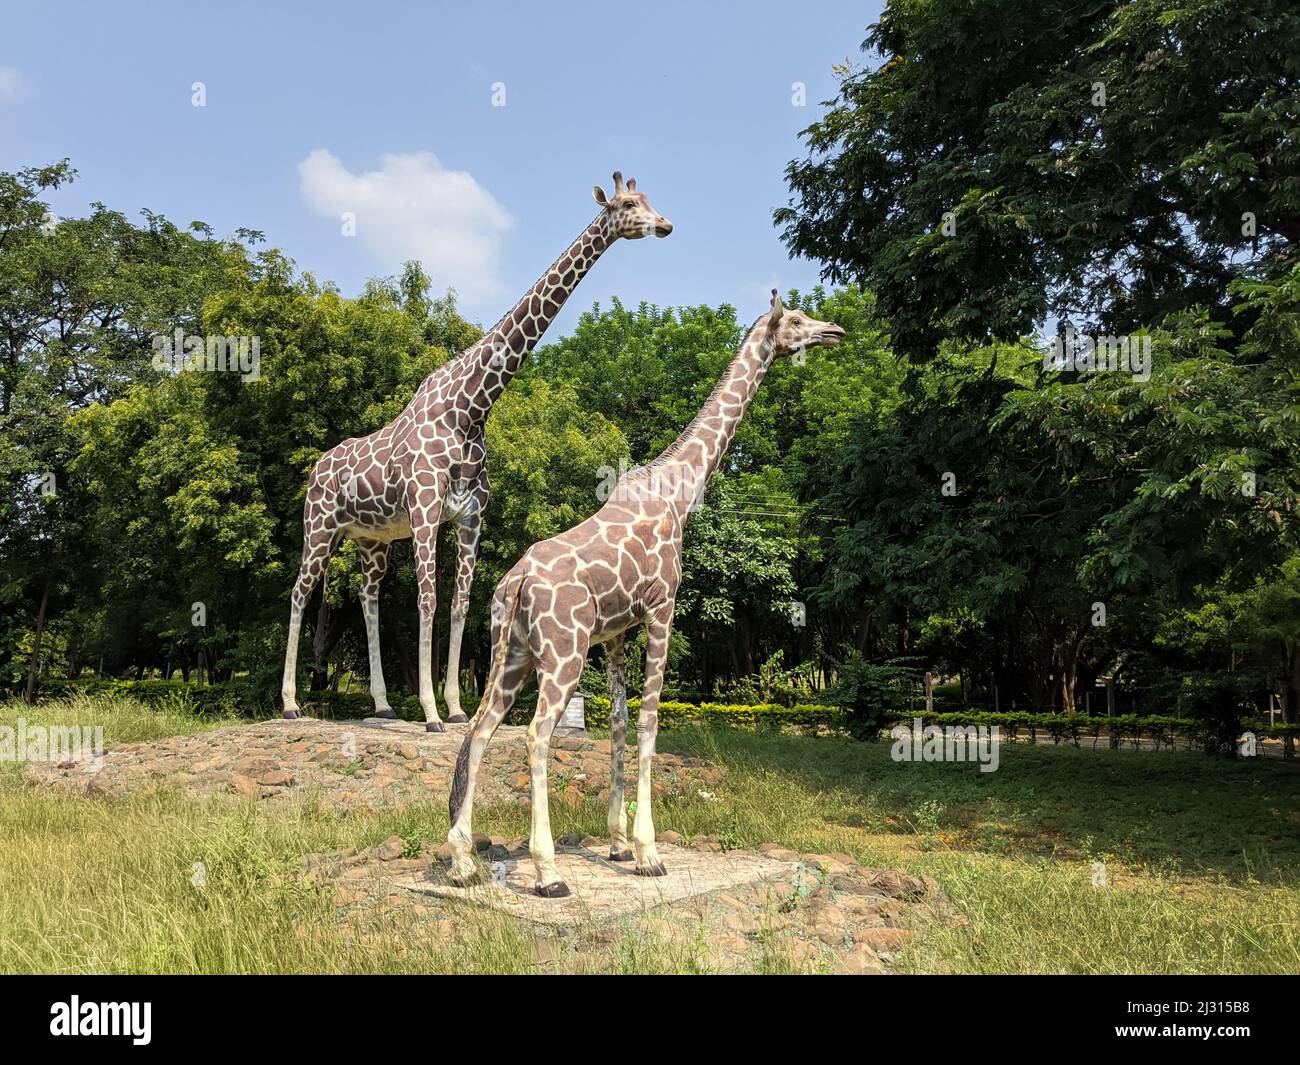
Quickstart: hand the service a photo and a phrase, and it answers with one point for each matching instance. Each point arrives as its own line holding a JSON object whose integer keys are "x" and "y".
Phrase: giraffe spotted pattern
{"x": 618, "y": 569}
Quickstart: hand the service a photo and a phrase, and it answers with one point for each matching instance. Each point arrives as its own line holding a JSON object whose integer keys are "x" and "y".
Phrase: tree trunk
{"x": 409, "y": 671}
{"x": 1291, "y": 703}
{"x": 34, "y": 665}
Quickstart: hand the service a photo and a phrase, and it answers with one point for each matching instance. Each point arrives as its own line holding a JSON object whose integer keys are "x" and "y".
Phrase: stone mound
{"x": 355, "y": 764}
{"x": 746, "y": 910}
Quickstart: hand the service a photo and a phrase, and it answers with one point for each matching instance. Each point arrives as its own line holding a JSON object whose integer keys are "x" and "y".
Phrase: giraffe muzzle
{"x": 663, "y": 227}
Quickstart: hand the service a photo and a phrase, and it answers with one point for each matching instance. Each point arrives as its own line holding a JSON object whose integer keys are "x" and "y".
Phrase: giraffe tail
{"x": 460, "y": 781}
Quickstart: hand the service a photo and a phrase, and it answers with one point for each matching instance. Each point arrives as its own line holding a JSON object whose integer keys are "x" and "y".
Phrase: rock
{"x": 898, "y": 885}
{"x": 883, "y": 939}
{"x": 669, "y": 837}
{"x": 777, "y": 853}
{"x": 861, "y": 961}
{"x": 277, "y": 778}
{"x": 481, "y": 842}
{"x": 245, "y": 785}
{"x": 831, "y": 928}
{"x": 409, "y": 751}
{"x": 825, "y": 863}
{"x": 391, "y": 849}
{"x": 803, "y": 955}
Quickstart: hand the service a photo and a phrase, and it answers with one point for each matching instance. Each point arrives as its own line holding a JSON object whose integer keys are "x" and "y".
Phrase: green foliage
{"x": 873, "y": 694}
{"x": 1127, "y": 205}
{"x": 771, "y": 684}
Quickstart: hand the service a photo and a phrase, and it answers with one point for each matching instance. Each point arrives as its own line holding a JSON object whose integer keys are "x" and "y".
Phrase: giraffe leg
{"x": 425, "y": 507}
{"x": 617, "y": 671}
{"x": 658, "y": 629}
{"x": 467, "y": 534}
{"x": 374, "y": 562}
{"x": 316, "y": 550}
{"x": 560, "y": 653}
{"x": 518, "y": 664}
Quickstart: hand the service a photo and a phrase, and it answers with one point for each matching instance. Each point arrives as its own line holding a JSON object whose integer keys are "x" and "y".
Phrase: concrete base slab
{"x": 601, "y": 890}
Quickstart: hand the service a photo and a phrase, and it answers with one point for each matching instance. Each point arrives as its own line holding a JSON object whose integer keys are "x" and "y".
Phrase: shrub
{"x": 873, "y": 693}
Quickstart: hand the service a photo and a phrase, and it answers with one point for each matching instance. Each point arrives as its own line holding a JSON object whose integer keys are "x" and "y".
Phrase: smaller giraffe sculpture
{"x": 618, "y": 569}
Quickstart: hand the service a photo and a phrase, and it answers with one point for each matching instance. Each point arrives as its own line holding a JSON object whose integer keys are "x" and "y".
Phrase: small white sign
{"x": 575, "y": 714}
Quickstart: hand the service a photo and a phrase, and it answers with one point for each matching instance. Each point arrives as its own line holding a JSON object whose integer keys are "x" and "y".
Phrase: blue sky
{"x": 387, "y": 109}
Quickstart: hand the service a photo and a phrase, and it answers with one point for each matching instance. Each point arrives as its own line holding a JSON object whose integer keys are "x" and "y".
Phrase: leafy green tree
{"x": 1007, "y": 160}
{"x": 82, "y": 299}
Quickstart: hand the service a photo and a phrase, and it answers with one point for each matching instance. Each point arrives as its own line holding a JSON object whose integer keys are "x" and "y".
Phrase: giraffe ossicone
{"x": 428, "y": 466}
{"x": 592, "y": 584}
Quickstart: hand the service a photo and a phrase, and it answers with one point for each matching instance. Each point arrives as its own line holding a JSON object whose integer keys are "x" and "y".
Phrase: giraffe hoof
{"x": 434, "y": 726}
{"x": 558, "y": 890}
{"x": 387, "y": 711}
{"x": 456, "y": 719}
{"x": 620, "y": 856}
{"x": 292, "y": 715}
{"x": 657, "y": 869}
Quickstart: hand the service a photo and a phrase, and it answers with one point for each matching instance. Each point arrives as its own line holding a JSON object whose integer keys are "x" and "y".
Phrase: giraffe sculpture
{"x": 428, "y": 466}
{"x": 618, "y": 569}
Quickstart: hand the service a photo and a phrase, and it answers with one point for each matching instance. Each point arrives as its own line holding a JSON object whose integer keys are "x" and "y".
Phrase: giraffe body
{"x": 618, "y": 569}
{"x": 429, "y": 466}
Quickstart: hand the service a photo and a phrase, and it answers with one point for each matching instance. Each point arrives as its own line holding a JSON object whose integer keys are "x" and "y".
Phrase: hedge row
{"x": 1163, "y": 730}
{"x": 231, "y": 698}
{"x": 674, "y": 713}
{"x": 225, "y": 698}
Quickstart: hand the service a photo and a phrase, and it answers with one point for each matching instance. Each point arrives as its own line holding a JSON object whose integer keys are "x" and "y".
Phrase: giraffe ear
{"x": 774, "y": 315}
{"x": 599, "y": 193}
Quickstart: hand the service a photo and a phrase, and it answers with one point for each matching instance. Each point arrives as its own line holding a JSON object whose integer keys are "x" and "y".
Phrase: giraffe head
{"x": 629, "y": 213}
{"x": 794, "y": 331}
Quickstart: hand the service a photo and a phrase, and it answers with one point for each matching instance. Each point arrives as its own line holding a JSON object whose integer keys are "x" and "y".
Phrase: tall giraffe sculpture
{"x": 428, "y": 465}
{"x": 618, "y": 569}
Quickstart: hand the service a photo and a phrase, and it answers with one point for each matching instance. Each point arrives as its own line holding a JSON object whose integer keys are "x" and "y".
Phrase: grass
{"x": 1202, "y": 860}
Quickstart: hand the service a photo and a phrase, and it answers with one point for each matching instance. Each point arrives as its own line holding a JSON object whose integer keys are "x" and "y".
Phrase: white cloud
{"x": 413, "y": 207}
{"x": 12, "y": 86}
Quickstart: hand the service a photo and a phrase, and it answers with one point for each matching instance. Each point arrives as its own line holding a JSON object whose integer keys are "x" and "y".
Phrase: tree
{"x": 1007, "y": 161}
{"x": 82, "y": 299}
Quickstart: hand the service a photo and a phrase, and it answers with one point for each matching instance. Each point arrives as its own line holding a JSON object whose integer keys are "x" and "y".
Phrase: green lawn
{"x": 1202, "y": 859}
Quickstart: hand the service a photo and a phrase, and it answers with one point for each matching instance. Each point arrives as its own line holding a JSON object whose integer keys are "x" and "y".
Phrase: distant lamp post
{"x": 573, "y": 722}
{"x": 1108, "y": 682}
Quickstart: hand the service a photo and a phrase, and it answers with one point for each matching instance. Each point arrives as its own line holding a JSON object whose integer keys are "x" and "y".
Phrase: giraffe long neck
{"x": 484, "y": 369}
{"x": 685, "y": 466}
